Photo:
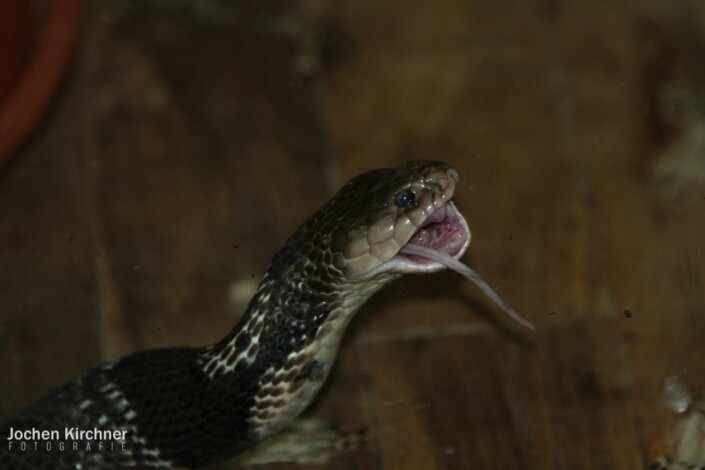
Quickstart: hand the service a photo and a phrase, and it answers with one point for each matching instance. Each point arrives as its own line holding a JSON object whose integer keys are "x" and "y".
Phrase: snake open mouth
{"x": 444, "y": 231}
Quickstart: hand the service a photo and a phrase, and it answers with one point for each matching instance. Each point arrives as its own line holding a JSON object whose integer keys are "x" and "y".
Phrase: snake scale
{"x": 190, "y": 407}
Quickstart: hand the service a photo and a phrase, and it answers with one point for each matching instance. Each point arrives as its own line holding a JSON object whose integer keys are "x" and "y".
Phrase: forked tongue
{"x": 452, "y": 263}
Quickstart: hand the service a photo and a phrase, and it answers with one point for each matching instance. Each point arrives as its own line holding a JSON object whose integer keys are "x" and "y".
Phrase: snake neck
{"x": 286, "y": 342}
{"x": 304, "y": 305}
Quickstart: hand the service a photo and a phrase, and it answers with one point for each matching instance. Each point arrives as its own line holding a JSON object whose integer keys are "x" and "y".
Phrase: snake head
{"x": 384, "y": 210}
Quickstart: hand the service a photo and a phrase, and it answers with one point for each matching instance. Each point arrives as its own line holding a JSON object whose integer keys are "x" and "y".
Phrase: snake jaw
{"x": 445, "y": 230}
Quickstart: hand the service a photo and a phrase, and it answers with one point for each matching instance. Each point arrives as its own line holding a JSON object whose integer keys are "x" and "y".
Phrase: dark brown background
{"x": 191, "y": 138}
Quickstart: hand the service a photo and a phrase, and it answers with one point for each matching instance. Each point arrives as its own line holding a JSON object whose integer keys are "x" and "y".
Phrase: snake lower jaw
{"x": 445, "y": 231}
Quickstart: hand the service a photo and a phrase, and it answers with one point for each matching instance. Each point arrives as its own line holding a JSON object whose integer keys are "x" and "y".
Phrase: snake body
{"x": 190, "y": 407}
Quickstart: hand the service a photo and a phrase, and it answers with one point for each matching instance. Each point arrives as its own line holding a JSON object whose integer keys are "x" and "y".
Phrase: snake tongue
{"x": 450, "y": 262}
{"x": 440, "y": 242}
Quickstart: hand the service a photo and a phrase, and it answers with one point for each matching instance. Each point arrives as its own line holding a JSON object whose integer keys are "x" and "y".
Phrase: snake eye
{"x": 405, "y": 198}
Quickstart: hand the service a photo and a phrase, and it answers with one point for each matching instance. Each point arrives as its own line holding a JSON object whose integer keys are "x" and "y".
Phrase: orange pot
{"x": 36, "y": 42}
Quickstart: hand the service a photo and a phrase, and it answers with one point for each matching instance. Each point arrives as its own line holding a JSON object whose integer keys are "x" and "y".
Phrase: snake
{"x": 190, "y": 407}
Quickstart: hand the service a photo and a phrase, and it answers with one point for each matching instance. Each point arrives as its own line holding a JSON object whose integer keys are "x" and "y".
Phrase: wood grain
{"x": 189, "y": 143}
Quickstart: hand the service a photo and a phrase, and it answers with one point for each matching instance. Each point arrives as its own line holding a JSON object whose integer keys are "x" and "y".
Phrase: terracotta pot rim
{"x": 38, "y": 82}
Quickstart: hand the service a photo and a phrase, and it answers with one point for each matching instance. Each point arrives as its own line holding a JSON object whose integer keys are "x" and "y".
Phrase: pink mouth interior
{"x": 444, "y": 231}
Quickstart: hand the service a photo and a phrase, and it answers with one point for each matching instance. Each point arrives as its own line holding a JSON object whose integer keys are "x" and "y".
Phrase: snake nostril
{"x": 436, "y": 186}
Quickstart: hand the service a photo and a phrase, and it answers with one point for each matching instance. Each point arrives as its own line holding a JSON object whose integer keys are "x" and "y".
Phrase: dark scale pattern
{"x": 59, "y": 410}
{"x": 191, "y": 419}
{"x": 209, "y": 423}
{"x": 186, "y": 407}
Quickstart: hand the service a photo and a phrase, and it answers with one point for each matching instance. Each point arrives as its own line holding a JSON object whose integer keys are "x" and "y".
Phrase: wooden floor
{"x": 188, "y": 142}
